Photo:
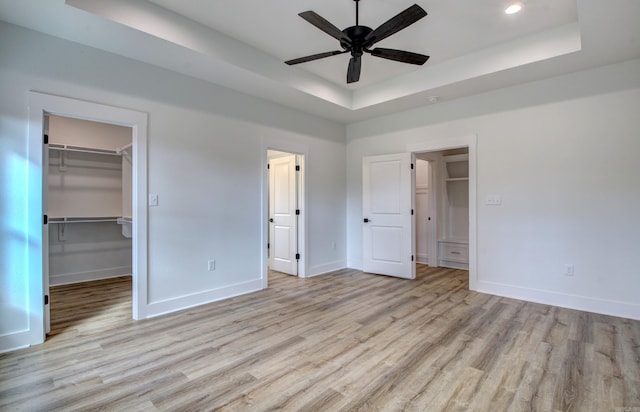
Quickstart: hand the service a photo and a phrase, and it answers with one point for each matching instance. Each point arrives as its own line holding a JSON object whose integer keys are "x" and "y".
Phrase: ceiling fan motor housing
{"x": 357, "y": 34}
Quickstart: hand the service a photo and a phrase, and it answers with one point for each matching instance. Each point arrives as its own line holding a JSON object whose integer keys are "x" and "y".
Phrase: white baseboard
{"x": 184, "y": 302}
{"x": 326, "y": 268}
{"x": 422, "y": 258}
{"x": 14, "y": 341}
{"x": 66, "y": 278}
{"x": 584, "y": 303}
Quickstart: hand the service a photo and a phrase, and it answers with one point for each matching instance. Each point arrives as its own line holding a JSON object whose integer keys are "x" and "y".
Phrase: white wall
{"x": 78, "y": 132}
{"x": 563, "y": 154}
{"x": 205, "y": 160}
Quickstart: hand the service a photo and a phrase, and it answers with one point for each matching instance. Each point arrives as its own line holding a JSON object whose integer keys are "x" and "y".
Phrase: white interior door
{"x": 45, "y": 231}
{"x": 388, "y": 226}
{"x": 283, "y": 220}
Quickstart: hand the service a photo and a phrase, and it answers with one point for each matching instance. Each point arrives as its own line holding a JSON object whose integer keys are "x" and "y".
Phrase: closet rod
{"x": 68, "y": 148}
{"x": 83, "y": 219}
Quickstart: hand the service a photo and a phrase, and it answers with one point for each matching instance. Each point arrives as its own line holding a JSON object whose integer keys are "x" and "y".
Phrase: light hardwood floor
{"x": 343, "y": 341}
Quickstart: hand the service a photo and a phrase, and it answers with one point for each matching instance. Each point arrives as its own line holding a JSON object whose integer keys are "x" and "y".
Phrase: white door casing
{"x": 39, "y": 105}
{"x": 469, "y": 141}
{"x": 388, "y": 220}
{"x": 282, "y": 215}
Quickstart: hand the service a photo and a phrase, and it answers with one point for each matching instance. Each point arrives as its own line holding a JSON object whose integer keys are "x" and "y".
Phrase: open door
{"x": 283, "y": 222}
{"x": 388, "y": 203}
{"x": 45, "y": 227}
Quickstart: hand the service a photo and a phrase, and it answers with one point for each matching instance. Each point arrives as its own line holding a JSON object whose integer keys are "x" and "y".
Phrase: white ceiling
{"x": 452, "y": 28}
{"x": 241, "y": 44}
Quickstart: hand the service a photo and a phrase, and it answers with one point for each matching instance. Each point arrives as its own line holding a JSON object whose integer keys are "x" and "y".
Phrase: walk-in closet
{"x": 87, "y": 200}
{"x": 442, "y": 208}
{"x": 453, "y": 244}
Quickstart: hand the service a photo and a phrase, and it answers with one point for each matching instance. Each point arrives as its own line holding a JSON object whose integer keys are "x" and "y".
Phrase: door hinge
{"x": 46, "y": 299}
{"x": 46, "y": 139}
{"x": 268, "y": 245}
{"x": 412, "y": 258}
{"x": 411, "y": 166}
{"x": 297, "y": 168}
{"x": 46, "y": 219}
{"x": 297, "y": 211}
{"x": 268, "y": 166}
{"x": 297, "y": 256}
{"x": 411, "y": 212}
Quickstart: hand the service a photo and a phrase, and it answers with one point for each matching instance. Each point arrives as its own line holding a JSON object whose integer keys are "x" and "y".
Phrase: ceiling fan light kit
{"x": 358, "y": 40}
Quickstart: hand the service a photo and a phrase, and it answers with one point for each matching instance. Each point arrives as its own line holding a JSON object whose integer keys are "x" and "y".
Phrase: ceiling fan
{"x": 359, "y": 39}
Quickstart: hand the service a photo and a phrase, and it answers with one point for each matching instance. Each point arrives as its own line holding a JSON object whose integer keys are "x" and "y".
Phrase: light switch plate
{"x": 153, "y": 200}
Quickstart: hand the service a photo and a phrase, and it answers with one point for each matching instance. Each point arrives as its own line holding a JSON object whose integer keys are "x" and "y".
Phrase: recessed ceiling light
{"x": 513, "y": 8}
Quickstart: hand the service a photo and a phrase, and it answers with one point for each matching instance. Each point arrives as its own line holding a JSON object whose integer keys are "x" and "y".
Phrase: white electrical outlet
{"x": 493, "y": 200}
{"x": 211, "y": 265}
{"x": 568, "y": 269}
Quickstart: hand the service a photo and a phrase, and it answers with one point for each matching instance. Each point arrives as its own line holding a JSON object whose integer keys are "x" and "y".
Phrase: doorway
{"x": 452, "y": 147}
{"x": 301, "y": 152}
{"x": 87, "y": 175}
{"x": 284, "y": 211}
{"x": 41, "y": 105}
{"x": 442, "y": 208}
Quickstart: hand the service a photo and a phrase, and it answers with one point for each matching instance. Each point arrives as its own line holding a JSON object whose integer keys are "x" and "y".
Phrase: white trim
{"x": 298, "y": 149}
{"x": 78, "y": 277}
{"x": 327, "y": 268}
{"x": 564, "y": 300}
{"x": 39, "y": 105}
{"x": 470, "y": 142}
{"x": 14, "y": 341}
{"x": 201, "y": 298}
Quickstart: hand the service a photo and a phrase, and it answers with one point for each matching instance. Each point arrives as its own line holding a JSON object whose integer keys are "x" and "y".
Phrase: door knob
{"x": 366, "y": 220}
{"x": 271, "y": 220}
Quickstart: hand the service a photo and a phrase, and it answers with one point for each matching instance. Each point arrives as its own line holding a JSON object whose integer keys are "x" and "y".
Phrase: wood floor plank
{"x": 344, "y": 341}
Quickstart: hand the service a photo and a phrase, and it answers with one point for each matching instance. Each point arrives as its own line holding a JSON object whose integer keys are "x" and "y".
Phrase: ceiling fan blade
{"x": 353, "y": 73}
{"x": 324, "y": 25}
{"x": 314, "y": 57}
{"x": 400, "y": 56}
{"x": 395, "y": 24}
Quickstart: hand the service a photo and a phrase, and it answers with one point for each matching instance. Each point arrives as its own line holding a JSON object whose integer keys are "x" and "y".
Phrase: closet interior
{"x": 442, "y": 208}
{"x": 453, "y": 244}
{"x": 88, "y": 200}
